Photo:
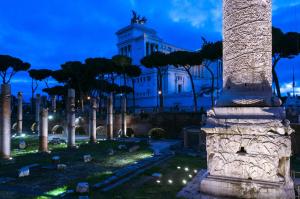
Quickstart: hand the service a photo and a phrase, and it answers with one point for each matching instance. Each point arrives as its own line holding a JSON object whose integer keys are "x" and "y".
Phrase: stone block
{"x": 61, "y": 166}
{"x": 24, "y": 171}
{"x": 134, "y": 148}
{"x": 82, "y": 187}
{"x": 55, "y": 159}
{"x": 87, "y": 158}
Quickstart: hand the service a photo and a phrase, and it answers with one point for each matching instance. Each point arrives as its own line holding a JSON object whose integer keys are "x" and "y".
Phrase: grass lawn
{"x": 53, "y": 182}
{"x": 145, "y": 186}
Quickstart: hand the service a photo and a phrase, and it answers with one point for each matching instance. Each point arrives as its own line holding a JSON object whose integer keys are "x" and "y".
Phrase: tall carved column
{"x": 5, "y": 121}
{"x": 123, "y": 116}
{"x": 110, "y": 117}
{"x": 71, "y": 118}
{"x": 93, "y": 120}
{"x": 37, "y": 111}
{"x": 20, "y": 113}
{"x": 43, "y": 136}
{"x": 53, "y": 103}
{"x": 248, "y": 140}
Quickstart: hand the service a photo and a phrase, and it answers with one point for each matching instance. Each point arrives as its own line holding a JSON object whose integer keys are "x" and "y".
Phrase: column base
{"x": 224, "y": 187}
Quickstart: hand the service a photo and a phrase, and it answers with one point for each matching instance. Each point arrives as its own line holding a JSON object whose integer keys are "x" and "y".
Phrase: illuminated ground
{"x": 52, "y": 182}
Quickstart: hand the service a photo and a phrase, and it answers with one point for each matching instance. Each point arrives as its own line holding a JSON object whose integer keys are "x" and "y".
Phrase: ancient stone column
{"x": 248, "y": 139}
{"x": 43, "y": 135}
{"x": 93, "y": 120}
{"x": 110, "y": 117}
{"x": 53, "y": 103}
{"x": 247, "y": 52}
{"x": 5, "y": 121}
{"x": 20, "y": 113}
{"x": 123, "y": 116}
{"x": 37, "y": 111}
{"x": 71, "y": 118}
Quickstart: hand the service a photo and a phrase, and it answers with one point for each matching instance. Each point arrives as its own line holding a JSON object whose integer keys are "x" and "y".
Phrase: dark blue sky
{"x": 48, "y": 33}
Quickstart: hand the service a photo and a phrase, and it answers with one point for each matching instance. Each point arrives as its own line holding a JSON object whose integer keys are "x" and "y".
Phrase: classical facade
{"x": 138, "y": 40}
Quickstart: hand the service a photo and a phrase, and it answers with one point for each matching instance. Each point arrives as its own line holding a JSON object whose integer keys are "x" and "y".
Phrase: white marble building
{"x": 138, "y": 40}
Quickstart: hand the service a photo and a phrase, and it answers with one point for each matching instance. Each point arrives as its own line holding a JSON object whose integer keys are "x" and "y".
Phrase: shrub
{"x": 157, "y": 133}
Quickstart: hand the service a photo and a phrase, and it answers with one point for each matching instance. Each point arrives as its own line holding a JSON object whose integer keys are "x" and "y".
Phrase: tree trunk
{"x": 275, "y": 77}
{"x": 160, "y": 91}
{"x": 133, "y": 96}
{"x": 37, "y": 112}
{"x": 123, "y": 117}
{"x": 32, "y": 96}
{"x": 193, "y": 89}
{"x": 212, "y": 86}
{"x": 53, "y": 103}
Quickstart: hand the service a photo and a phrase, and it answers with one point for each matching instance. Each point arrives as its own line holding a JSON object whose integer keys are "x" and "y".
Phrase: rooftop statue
{"x": 137, "y": 19}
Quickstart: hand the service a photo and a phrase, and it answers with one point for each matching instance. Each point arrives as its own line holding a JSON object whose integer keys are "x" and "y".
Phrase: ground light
{"x": 186, "y": 169}
{"x": 158, "y": 181}
{"x": 195, "y": 171}
{"x": 23, "y": 135}
{"x": 178, "y": 167}
{"x": 184, "y": 181}
{"x": 190, "y": 176}
{"x": 170, "y": 181}
{"x": 50, "y": 117}
{"x": 56, "y": 192}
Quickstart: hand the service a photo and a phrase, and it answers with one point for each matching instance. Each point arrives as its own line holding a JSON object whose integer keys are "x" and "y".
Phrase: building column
{"x": 110, "y": 117}
{"x": 37, "y": 111}
{"x": 71, "y": 118}
{"x": 53, "y": 103}
{"x": 43, "y": 136}
{"x": 93, "y": 120}
{"x": 5, "y": 121}
{"x": 123, "y": 116}
{"x": 20, "y": 113}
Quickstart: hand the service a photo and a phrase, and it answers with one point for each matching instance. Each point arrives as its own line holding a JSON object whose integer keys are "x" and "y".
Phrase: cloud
{"x": 288, "y": 88}
{"x": 197, "y": 13}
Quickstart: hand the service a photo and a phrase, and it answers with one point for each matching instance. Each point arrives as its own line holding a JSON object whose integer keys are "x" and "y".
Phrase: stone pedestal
{"x": 248, "y": 139}
{"x": 43, "y": 136}
{"x": 109, "y": 117}
{"x": 5, "y": 121}
{"x": 71, "y": 118}
{"x": 93, "y": 120}
{"x": 20, "y": 113}
{"x": 248, "y": 153}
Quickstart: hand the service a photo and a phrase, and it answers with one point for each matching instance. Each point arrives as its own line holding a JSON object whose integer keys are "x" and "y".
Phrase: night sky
{"x": 48, "y": 33}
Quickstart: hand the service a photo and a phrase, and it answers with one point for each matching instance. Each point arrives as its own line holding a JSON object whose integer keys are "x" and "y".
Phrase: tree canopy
{"x": 9, "y": 66}
{"x": 284, "y": 45}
